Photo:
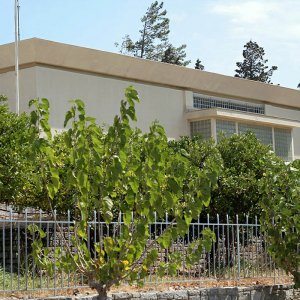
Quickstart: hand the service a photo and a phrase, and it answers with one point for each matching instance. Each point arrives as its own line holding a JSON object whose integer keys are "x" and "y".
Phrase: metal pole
{"x": 238, "y": 247}
{"x": 17, "y": 39}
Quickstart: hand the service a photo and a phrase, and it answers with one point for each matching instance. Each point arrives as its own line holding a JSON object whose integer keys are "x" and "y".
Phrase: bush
{"x": 280, "y": 218}
{"x": 245, "y": 162}
{"x": 17, "y": 173}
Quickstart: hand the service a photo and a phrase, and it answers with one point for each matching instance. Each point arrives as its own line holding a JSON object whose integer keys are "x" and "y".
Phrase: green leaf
{"x": 134, "y": 185}
{"x": 82, "y": 178}
{"x": 127, "y": 217}
{"x": 68, "y": 117}
{"x": 165, "y": 240}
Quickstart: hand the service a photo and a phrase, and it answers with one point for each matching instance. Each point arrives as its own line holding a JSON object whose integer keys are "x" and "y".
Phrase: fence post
{"x": 228, "y": 246}
{"x": 238, "y": 246}
{"x": 209, "y": 257}
{"x": 54, "y": 238}
{"x": 218, "y": 244}
{"x": 11, "y": 247}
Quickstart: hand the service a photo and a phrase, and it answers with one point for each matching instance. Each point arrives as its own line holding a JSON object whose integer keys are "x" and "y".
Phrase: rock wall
{"x": 276, "y": 292}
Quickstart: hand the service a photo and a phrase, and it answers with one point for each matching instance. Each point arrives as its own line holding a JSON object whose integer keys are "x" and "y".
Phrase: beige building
{"x": 183, "y": 100}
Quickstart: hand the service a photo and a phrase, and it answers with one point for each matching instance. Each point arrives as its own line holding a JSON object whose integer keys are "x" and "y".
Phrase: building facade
{"x": 185, "y": 101}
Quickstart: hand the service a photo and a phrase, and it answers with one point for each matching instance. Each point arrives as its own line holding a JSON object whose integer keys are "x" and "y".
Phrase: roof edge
{"x": 64, "y": 56}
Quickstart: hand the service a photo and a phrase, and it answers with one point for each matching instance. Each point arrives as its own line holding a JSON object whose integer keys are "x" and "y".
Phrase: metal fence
{"x": 239, "y": 253}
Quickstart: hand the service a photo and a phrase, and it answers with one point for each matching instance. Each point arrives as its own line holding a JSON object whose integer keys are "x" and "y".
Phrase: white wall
{"x": 103, "y": 95}
{"x": 27, "y": 79}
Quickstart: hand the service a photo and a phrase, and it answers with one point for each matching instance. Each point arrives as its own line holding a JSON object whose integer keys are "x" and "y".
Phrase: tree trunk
{"x": 102, "y": 294}
{"x": 296, "y": 276}
{"x": 101, "y": 290}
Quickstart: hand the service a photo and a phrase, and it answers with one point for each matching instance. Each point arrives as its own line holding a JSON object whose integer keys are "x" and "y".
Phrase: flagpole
{"x": 17, "y": 39}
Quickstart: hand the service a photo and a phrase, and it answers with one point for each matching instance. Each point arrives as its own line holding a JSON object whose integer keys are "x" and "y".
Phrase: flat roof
{"x": 39, "y": 52}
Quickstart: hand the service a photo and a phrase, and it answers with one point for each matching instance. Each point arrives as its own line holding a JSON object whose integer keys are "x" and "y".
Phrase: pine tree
{"x": 253, "y": 67}
{"x": 198, "y": 65}
{"x": 175, "y": 56}
{"x": 153, "y": 42}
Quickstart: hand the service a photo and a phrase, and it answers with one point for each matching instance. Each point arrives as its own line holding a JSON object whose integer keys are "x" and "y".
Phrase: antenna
{"x": 17, "y": 39}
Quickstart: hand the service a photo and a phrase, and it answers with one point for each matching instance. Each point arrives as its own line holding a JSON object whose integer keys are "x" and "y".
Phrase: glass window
{"x": 205, "y": 102}
{"x": 283, "y": 143}
{"x": 282, "y": 137}
{"x": 225, "y": 127}
{"x": 202, "y": 128}
{"x": 263, "y": 133}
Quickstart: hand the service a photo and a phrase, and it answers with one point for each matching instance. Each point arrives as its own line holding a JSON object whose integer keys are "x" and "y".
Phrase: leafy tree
{"x": 254, "y": 65}
{"x": 17, "y": 179}
{"x": 202, "y": 154}
{"x": 198, "y": 65}
{"x": 298, "y": 86}
{"x": 242, "y": 162}
{"x": 280, "y": 204}
{"x": 153, "y": 42}
{"x": 134, "y": 172}
{"x": 245, "y": 162}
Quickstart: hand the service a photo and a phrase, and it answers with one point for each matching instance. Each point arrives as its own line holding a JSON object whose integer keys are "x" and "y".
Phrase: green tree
{"x": 198, "y": 65}
{"x": 17, "y": 179}
{"x": 134, "y": 172}
{"x": 153, "y": 42}
{"x": 175, "y": 56}
{"x": 253, "y": 66}
{"x": 242, "y": 162}
{"x": 245, "y": 161}
{"x": 280, "y": 205}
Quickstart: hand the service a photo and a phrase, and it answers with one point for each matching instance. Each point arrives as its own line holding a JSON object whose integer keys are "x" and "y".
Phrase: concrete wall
{"x": 27, "y": 87}
{"x": 102, "y": 96}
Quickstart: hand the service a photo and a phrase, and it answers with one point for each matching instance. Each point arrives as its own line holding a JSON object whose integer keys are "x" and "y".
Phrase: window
{"x": 283, "y": 143}
{"x": 202, "y": 128}
{"x": 263, "y": 133}
{"x": 225, "y": 127}
{"x": 205, "y": 102}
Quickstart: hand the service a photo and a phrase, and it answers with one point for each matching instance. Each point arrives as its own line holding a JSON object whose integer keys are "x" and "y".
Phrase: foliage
{"x": 153, "y": 42}
{"x": 280, "y": 217}
{"x": 175, "y": 56}
{"x": 253, "y": 67}
{"x": 20, "y": 182}
{"x": 17, "y": 179}
{"x": 198, "y": 65}
{"x": 64, "y": 200}
{"x": 245, "y": 162}
{"x": 241, "y": 161}
{"x": 201, "y": 153}
{"x": 134, "y": 172}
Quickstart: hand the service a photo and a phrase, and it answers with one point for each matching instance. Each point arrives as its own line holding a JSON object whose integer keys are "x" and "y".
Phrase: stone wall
{"x": 276, "y": 292}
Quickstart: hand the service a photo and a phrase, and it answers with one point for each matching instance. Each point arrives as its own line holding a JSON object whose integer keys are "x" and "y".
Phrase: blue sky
{"x": 214, "y": 30}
